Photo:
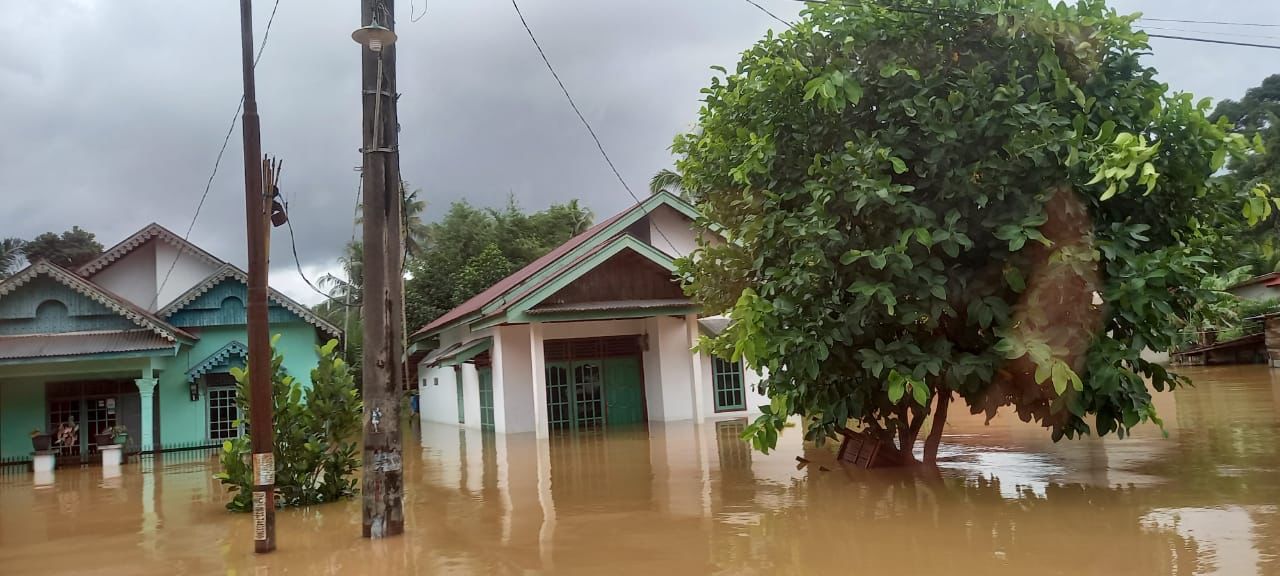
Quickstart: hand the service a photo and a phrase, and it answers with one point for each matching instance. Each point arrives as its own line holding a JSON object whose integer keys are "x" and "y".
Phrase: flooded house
{"x": 596, "y": 334}
{"x": 142, "y": 337}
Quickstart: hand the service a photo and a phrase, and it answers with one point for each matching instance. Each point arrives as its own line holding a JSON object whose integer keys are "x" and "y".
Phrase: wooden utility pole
{"x": 257, "y": 212}
{"x": 383, "y": 512}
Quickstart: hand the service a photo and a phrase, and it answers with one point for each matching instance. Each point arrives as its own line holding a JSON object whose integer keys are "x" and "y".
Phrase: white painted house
{"x": 595, "y": 334}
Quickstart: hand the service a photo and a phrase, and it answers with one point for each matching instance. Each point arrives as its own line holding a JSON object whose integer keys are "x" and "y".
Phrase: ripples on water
{"x": 680, "y": 499}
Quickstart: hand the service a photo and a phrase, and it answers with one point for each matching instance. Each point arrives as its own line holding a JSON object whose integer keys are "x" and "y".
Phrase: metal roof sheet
{"x": 80, "y": 344}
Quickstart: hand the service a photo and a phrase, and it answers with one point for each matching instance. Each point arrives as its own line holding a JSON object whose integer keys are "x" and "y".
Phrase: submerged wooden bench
{"x": 864, "y": 450}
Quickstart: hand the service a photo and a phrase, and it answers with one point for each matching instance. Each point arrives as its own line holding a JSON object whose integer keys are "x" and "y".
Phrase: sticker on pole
{"x": 264, "y": 467}
{"x": 259, "y": 515}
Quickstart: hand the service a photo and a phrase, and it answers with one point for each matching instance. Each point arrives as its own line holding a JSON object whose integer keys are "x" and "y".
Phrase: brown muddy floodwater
{"x": 684, "y": 500}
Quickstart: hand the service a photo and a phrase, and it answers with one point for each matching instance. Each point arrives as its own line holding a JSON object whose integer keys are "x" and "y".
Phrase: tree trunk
{"x": 935, "y": 429}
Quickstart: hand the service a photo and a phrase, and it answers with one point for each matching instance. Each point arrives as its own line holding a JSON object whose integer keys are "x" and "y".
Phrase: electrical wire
{"x": 1210, "y": 22}
{"x": 771, "y": 14}
{"x": 413, "y": 18}
{"x": 1213, "y": 41}
{"x": 1231, "y": 34}
{"x": 943, "y": 12}
{"x": 590, "y": 130}
{"x": 266, "y": 33}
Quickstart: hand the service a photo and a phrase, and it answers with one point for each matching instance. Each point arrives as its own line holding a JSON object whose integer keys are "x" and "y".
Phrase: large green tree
{"x": 471, "y": 248}
{"x": 1257, "y": 117}
{"x": 995, "y": 201}
{"x": 70, "y": 249}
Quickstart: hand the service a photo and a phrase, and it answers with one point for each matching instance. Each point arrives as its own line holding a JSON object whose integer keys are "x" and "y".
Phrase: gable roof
{"x": 139, "y": 239}
{"x": 554, "y": 262}
{"x": 230, "y": 271}
{"x": 98, "y": 294}
{"x": 220, "y": 357}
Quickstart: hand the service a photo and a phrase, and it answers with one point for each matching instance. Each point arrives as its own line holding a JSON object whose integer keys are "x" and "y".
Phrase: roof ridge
{"x": 137, "y": 240}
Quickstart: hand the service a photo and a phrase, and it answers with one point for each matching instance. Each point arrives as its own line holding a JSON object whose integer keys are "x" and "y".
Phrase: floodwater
{"x": 679, "y": 499}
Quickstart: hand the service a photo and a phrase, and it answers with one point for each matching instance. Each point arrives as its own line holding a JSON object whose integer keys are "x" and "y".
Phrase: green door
{"x": 486, "y": 398}
{"x": 624, "y": 391}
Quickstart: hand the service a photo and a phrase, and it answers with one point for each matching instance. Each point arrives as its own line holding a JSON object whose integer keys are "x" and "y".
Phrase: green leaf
{"x": 939, "y": 292}
{"x": 896, "y": 388}
{"x": 852, "y": 91}
{"x": 920, "y": 393}
{"x": 878, "y": 261}
{"x": 1013, "y": 277}
{"x": 898, "y": 165}
{"x": 1219, "y": 158}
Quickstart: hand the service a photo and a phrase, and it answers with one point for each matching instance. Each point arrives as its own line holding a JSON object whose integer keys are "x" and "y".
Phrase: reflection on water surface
{"x": 680, "y": 499}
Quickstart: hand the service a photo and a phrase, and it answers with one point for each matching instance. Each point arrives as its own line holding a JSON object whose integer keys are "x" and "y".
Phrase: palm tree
{"x": 10, "y": 255}
{"x": 667, "y": 181}
{"x": 414, "y": 229}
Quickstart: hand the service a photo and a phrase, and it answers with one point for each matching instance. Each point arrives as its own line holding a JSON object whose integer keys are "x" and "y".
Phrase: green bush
{"x": 315, "y": 435}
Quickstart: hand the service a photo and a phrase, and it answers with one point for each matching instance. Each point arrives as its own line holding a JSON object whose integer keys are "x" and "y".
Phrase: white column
{"x": 539, "y": 381}
{"x": 695, "y": 367}
{"x": 146, "y": 394}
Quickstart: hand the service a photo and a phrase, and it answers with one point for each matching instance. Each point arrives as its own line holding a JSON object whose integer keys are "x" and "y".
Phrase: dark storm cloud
{"x": 113, "y": 110}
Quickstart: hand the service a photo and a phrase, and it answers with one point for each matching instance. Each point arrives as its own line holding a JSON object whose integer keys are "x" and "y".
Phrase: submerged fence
{"x": 168, "y": 454}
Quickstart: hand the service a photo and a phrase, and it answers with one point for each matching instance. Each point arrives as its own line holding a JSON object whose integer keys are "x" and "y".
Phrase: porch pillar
{"x": 539, "y": 362}
{"x": 695, "y": 367}
{"x": 146, "y": 395}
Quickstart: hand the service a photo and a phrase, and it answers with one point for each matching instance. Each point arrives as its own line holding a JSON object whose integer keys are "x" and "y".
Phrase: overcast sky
{"x": 113, "y": 110}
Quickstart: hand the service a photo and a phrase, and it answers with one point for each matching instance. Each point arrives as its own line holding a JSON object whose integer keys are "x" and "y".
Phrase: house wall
{"x": 439, "y": 403}
{"x": 668, "y": 225}
{"x": 22, "y": 409}
{"x": 513, "y": 380}
{"x": 187, "y": 272}
{"x": 132, "y": 277}
{"x": 1259, "y": 291}
{"x": 667, "y": 368}
{"x": 666, "y": 364}
{"x": 185, "y": 422}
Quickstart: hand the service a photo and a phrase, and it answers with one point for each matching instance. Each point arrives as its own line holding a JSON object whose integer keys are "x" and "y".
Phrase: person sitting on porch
{"x": 68, "y": 433}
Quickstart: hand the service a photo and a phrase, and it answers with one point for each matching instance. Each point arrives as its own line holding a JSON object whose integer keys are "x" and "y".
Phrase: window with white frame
{"x": 223, "y": 413}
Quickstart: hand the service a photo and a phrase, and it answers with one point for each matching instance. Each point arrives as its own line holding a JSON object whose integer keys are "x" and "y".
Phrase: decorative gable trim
{"x": 97, "y": 294}
{"x": 139, "y": 239}
{"x": 489, "y": 302}
{"x": 219, "y": 358}
{"x": 229, "y": 271}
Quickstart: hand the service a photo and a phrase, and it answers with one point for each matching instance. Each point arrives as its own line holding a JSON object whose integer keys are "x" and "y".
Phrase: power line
{"x": 590, "y": 130}
{"x": 1229, "y": 34}
{"x": 899, "y": 8}
{"x": 1218, "y": 23}
{"x": 1213, "y": 41}
{"x": 266, "y": 33}
{"x": 771, "y": 14}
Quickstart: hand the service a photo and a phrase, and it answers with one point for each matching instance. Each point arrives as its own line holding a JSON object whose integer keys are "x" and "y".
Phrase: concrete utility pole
{"x": 383, "y": 511}
{"x": 257, "y": 211}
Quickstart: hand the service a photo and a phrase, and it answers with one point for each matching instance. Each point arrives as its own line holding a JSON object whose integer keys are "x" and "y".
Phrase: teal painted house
{"x": 144, "y": 336}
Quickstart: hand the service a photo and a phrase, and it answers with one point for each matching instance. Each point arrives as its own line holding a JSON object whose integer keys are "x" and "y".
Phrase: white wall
{"x": 132, "y": 277}
{"x": 513, "y": 380}
{"x": 1257, "y": 291}
{"x": 675, "y": 227}
{"x": 439, "y": 403}
{"x": 669, "y": 339}
{"x": 666, "y": 364}
{"x": 187, "y": 272}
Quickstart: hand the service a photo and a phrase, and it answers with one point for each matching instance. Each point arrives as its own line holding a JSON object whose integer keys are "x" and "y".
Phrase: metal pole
{"x": 383, "y": 512}
{"x": 255, "y": 209}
